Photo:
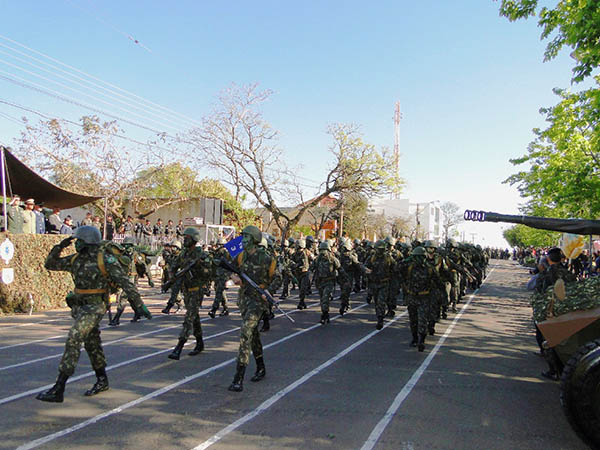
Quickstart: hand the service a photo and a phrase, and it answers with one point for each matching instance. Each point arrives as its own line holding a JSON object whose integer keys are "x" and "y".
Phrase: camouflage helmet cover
{"x": 324, "y": 245}
{"x": 263, "y": 243}
{"x": 88, "y": 234}
{"x": 418, "y": 251}
{"x": 301, "y": 243}
{"x": 193, "y": 233}
{"x": 390, "y": 240}
{"x": 429, "y": 244}
{"x": 129, "y": 240}
{"x": 254, "y": 232}
{"x": 176, "y": 244}
{"x": 381, "y": 244}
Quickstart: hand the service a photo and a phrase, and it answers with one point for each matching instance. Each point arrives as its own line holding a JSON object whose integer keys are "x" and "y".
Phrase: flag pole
{"x": 3, "y": 170}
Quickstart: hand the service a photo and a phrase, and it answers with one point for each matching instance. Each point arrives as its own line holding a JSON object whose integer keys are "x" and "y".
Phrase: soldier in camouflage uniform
{"x": 302, "y": 260}
{"x": 285, "y": 263}
{"x": 350, "y": 266}
{"x": 129, "y": 253}
{"x": 93, "y": 270}
{"x": 421, "y": 279}
{"x": 193, "y": 294}
{"x": 325, "y": 267}
{"x": 170, "y": 262}
{"x": 357, "y": 274}
{"x": 380, "y": 267}
{"x": 260, "y": 267}
{"x": 394, "y": 288}
{"x": 438, "y": 296}
{"x": 221, "y": 278}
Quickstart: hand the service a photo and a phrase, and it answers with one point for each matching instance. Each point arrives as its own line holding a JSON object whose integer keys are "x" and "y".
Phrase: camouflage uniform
{"x": 302, "y": 259}
{"x": 325, "y": 268}
{"x": 380, "y": 266}
{"x": 221, "y": 277}
{"x": 421, "y": 279}
{"x": 93, "y": 271}
{"x": 350, "y": 266}
{"x": 260, "y": 266}
{"x": 193, "y": 292}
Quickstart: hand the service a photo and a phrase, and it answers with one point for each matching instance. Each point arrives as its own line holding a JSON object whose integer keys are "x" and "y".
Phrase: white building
{"x": 426, "y": 218}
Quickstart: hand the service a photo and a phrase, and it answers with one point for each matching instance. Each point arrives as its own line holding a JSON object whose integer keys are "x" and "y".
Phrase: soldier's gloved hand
{"x": 145, "y": 312}
{"x": 66, "y": 242}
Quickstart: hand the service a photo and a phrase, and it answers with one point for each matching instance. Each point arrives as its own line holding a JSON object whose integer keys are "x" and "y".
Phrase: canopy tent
{"x": 20, "y": 179}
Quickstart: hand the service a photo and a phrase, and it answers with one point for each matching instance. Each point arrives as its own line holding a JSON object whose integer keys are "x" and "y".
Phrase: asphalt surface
{"x": 342, "y": 385}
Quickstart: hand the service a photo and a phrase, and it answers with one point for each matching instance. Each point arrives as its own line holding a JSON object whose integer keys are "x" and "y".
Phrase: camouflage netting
{"x": 581, "y": 295}
{"x": 48, "y": 289}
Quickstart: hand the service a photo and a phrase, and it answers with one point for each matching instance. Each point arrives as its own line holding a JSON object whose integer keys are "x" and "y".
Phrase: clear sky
{"x": 470, "y": 83}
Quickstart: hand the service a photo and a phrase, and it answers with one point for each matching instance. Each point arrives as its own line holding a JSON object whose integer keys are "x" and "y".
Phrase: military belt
{"x": 193, "y": 289}
{"x": 91, "y": 291}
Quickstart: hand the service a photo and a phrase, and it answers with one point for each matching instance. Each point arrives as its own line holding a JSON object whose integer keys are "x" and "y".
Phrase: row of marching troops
{"x": 429, "y": 279}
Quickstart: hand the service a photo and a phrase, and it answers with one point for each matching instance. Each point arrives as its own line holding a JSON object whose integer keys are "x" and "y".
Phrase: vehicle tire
{"x": 580, "y": 392}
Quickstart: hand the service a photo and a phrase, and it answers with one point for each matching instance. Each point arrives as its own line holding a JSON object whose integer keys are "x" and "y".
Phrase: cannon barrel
{"x": 574, "y": 226}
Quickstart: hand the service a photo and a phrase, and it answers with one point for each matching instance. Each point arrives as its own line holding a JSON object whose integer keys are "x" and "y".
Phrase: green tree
{"x": 524, "y": 236}
{"x": 564, "y": 159}
{"x": 571, "y": 23}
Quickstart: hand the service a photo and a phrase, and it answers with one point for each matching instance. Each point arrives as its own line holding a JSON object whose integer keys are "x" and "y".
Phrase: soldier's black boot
{"x": 56, "y": 392}
{"x": 115, "y": 320}
{"x": 301, "y": 305}
{"x": 237, "y": 385}
{"x": 431, "y": 328}
{"x": 212, "y": 312}
{"x": 379, "y": 325}
{"x": 100, "y": 385}
{"x": 414, "y": 341}
{"x": 421, "y": 343}
{"x": 266, "y": 324}
{"x": 136, "y": 317}
{"x": 198, "y": 348}
{"x": 177, "y": 350}
{"x": 167, "y": 308}
{"x": 260, "y": 369}
{"x": 324, "y": 318}
{"x": 225, "y": 312}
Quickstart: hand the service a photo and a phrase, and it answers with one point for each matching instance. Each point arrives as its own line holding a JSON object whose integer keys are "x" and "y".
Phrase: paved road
{"x": 343, "y": 385}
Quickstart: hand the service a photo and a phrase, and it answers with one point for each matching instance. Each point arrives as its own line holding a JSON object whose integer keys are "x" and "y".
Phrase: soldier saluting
{"x": 93, "y": 270}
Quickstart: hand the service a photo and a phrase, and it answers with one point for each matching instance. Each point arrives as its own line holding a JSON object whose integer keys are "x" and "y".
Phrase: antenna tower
{"x": 397, "y": 118}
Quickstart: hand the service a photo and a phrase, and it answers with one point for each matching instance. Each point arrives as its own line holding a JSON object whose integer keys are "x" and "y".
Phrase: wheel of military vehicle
{"x": 580, "y": 392}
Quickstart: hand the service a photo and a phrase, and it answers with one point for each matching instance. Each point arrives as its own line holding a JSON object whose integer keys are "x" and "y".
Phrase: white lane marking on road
{"x": 393, "y": 409}
{"x": 124, "y": 363}
{"x": 154, "y": 394}
{"x": 30, "y": 324}
{"x": 279, "y": 395}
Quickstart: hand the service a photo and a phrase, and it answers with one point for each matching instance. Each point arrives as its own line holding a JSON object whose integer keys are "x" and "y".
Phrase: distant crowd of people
{"x": 582, "y": 267}
{"x": 31, "y": 217}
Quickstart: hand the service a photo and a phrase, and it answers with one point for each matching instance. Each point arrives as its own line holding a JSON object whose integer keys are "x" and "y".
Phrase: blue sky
{"x": 470, "y": 83}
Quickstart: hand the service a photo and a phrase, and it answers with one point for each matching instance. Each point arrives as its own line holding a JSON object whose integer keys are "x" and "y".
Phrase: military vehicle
{"x": 574, "y": 335}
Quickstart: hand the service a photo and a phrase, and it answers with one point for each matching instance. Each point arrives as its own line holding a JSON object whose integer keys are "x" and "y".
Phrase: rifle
{"x": 179, "y": 274}
{"x": 226, "y": 265}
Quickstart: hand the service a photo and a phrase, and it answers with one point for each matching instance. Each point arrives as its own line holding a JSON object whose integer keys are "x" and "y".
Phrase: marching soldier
{"x": 256, "y": 262}
{"x": 302, "y": 259}
{"x": 198, "y": 268}
{"x": 221, "y": 277}
{"x": 325, "y": 267}
{"x": 380, "y": 266}
{"x": 93, "y": 270}
{"x": 350, "y": 266}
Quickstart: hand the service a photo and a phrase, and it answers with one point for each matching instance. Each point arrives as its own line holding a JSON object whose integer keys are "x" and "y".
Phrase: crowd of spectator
{"x": 31, "y": 217}
{"x": 582, "y": 267}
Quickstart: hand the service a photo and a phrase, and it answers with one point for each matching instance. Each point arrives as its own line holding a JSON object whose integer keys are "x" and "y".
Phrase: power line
{"x": 143, "y": 107}
{"x": 10, "y": 118}
{"x": 98, "y": 79}
{"x": 36, "y": 87}
{"x": 83, "y": 93}
{"x": 46, "y": 116}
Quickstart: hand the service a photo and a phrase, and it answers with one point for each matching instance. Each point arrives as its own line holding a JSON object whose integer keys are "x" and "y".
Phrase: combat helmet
{"x": 418, "y": 251}
{"x": 310, "y": 240}
{"x": 129, "y": 240}
{"x": 88, "y": 234}
{"x": 324, "y": 245}
{"x": 391, "y": 241}
{"x": 254, "y": 232}
{"x": 347, "y": 245}
{"x": 381, "y": 244}
{"x": 176, "y": 244}
{"x": 263, "y": 242}
{"x": 193, "y": 233}
{"x": 429, "y": 244}
{"x": 301, "y": 243}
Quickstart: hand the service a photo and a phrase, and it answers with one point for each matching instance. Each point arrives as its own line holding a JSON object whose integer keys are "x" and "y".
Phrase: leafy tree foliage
{"x": 524, "y": 236}
{"x": 571, "y": 23}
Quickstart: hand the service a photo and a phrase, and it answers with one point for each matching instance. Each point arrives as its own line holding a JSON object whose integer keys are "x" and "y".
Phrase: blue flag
{"x": 235, "y": 247}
